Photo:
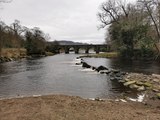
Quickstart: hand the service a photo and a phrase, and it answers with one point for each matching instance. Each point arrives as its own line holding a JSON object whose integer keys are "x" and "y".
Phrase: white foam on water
{"x": 87, "y": 70}
{"x": 68, "y": 62}
{"x": 77, "y": 60}
{"x": 140, "y": 98}
{"x": 94, "y": 99}
{"x": 91, "y": 98}
{"x": 36, "y": 95}
{"x": 122, "y": 100}
{"x": 92, "y": 73}
{"x": 76, "y": 65}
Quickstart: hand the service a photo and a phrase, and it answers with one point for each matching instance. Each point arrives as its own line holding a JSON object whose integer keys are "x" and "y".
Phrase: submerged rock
{"x": 78, "y": 63}
{"x": 156, "y": 75}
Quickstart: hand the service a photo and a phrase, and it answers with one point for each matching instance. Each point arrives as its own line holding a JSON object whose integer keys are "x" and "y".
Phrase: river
{"x": 59, "y": 75}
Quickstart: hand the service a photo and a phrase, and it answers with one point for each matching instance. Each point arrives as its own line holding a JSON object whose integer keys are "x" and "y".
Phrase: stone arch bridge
{"x": 97, "y": 47}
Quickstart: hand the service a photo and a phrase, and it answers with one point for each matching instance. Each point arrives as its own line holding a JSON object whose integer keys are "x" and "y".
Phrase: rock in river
{"x": 101, "y": 68}
{"x": 85, "y": 65}
{"x": 104, "y": 72}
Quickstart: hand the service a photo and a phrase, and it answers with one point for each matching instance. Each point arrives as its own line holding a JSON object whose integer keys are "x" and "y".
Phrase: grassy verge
{"x": 102, "y": 55}
{"x": 13, "y": 52}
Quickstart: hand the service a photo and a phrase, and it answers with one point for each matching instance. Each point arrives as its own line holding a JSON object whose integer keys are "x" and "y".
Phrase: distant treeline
{"x": 133, "y": 29}
{"x": 18, "y": 36}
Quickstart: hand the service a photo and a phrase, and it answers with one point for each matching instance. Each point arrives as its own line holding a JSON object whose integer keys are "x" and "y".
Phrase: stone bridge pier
{"x": 97, "y": 49}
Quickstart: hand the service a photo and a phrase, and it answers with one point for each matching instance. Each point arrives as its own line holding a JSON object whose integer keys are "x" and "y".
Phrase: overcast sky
{"x": 74, "y": 20}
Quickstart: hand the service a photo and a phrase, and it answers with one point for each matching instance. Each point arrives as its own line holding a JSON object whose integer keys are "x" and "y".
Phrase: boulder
{"x": 82, "y": 60}
{"x": 108, "y": 72}
{"x": 78, "y": 63}
{"x": 141, "y": 88}
{"x": 93, "y": 68}
{"x": 112, "y": 78}
{"x": 139, "y": 83}
{"x": 101, "y": 68}
{"x": 85, "y": 65}
{"x": 118, "y": 74}
{"x": 158, "y": 95}
{"x": 118, "y": 78}
{"x": 134, "y": 86}
{"x": 129, "y": 83}
{"x": 156, "y": 75}
{"x": 115, "y": 71}
{"x": 147, "y": 84}
{"x": 155, "y": 90}
{"x": 122, "y": 81}
{"x": 123, "y": 73}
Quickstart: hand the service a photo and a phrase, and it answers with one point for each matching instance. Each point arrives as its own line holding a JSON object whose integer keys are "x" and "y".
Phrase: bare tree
{"x": 112, "y": 11}
{"x": 153, "y": 9}
{"x": 2, "y": 28}
{"x": 17, "y": 29}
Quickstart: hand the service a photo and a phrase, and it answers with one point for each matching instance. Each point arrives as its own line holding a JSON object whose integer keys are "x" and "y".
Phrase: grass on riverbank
{"x": 13, "y": 52}
{"x": 102, "y": 55}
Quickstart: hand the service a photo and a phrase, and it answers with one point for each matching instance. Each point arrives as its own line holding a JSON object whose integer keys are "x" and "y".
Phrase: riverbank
{"x": 60, "y": 107}
{"x": 102, "y": 55}
{"x": 12, "y": 54}
{"x": 148, "y": 84}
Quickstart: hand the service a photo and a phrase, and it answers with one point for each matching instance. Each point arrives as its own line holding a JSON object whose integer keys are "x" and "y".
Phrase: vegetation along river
{"x": 59, "y": 75}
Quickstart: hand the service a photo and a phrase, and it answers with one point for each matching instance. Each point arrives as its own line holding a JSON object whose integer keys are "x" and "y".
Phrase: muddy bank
{"x": 59, "y": 107}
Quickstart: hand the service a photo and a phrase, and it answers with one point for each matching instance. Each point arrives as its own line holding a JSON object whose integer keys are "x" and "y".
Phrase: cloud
{"x": 63, "y": 19}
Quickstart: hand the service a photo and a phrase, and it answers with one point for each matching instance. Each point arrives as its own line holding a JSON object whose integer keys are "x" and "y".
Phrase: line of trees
{"x": 134, "y": 28}
{"x": 18, "y": 36}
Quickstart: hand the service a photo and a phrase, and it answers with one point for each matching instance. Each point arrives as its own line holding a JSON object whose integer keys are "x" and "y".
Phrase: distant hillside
{"x": 66, "y": 42}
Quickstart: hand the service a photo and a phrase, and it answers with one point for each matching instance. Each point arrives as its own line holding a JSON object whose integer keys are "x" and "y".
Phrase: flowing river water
{"x": 59, "y": 75}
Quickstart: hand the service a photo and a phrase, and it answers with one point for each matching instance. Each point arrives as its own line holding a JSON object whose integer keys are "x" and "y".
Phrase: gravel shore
{"x": 60, "y": 107}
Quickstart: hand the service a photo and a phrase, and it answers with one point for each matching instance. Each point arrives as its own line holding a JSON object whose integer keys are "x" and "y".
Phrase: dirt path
{"x": 59, "y": 107}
